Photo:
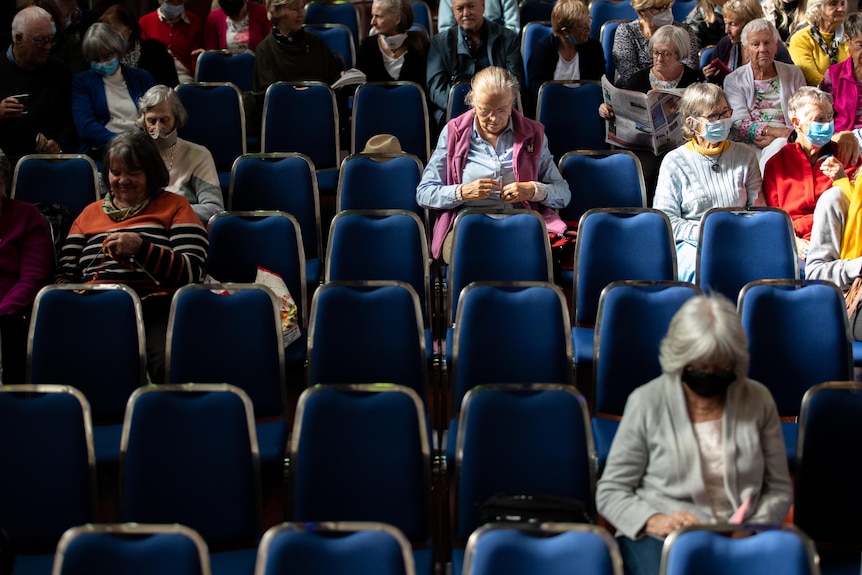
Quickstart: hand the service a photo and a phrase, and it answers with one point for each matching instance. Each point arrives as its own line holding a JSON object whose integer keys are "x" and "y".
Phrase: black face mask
{"x": 231, "y": 7}
{"x": 707, "y": 384}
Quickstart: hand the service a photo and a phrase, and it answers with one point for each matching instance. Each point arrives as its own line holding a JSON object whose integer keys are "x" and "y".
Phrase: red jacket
{"x": 180, "y": 38}
{"x": 215, "y": 31}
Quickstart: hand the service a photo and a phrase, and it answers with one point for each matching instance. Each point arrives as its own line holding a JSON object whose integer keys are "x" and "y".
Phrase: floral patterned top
{"x": 766, "y": 111}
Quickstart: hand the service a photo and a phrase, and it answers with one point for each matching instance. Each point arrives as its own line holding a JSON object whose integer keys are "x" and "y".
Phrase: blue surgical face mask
{"x": 571, "y": 40}
{"x": 105, "y": 69}
{"x": 172, "y": 12}
{"x": 663, "y": 18}
{"x": 715, "y": 132}
{"x": 819, "y": 133}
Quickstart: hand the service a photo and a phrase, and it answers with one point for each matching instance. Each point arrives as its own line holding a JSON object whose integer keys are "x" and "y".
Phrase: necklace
{"x": 714, "y": 167}
{"x": 169, "y": 160}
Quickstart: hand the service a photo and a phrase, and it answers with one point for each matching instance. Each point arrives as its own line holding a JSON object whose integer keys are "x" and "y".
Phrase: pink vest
{"x": 845, "y": 94}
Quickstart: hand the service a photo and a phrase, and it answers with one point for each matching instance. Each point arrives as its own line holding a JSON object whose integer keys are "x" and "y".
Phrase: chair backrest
{"x": 457, "y": 100}
{"x": 489, "y": 248}
{"x": 531, "y": 35}
{"x": 50, "y": 479}
{"x": 67, "y": 320}
{"x": 619, "y": 244}
{"x": 602, "y": 11}
{"x": 225, "y": 66}
{"x": 397, "y": 108}
{"x": 587, "y": 171}
{"x": 360, "y": 548}
{"x": 606, "y": 37}
{"x": 339, "y": 38}
{"x": 189, "y": 455}
{"x": 548, "y": 548}
{"x": 739, "y": 246}
{"x": 67, "y": 179}
{"x": 706, "y": 55}
{"x": 524, "y": 439}
{"x": 566, "y": 131}
{"x": 422, "y": 16}
{"x": 534, "y": 312}
{"x": 336, "y": 13}
{"x": 373, "y": 466}
{"x": 534, "y": 11}
{"x": 789, "y": 360}
{"x": 632, "y": 320}
{"x": 107, "y": 549}
{"x": 830, "y": 427}
{"x": 243, "y": 344}
{"x": 204, "y": 101}
{"x": 382, "y": 341}
{"x": 285, "y": 182}
{"x": 240, "y": 242}
{"x": 379, "y": 182}
{"x": 380, "y": 245}
{"x": 314, "y": 132}
{"x": 682, "y": 9}
{"x": 713, "y": 549}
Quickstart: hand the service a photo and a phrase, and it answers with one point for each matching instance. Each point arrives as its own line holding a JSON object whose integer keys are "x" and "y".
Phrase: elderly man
{"x": 35, "y": 91}
{"x": 503, "y": 11}
{"x": 462, "y": 50}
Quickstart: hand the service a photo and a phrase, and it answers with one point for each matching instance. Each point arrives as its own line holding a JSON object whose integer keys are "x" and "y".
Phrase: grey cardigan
{"x": 654, "y": 462}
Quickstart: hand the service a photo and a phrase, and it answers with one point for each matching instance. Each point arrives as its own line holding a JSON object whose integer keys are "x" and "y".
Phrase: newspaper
{"x": 351, "y": 77}
{"x": 643, "y": 121}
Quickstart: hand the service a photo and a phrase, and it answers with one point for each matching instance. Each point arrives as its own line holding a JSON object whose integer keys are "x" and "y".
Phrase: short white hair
{"x": 674, "y": 35}
{"x": 759, "y": 25}
{"x": 26, "y": 17}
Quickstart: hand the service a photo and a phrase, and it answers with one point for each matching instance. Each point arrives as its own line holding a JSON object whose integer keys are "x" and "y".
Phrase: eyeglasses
{"x": 663, "y": 55}
{"x": 581, "y": 27}
{"x": 726, "y": 113}
{"x": 41, "y": 42}
{"x": 483, "y": 113}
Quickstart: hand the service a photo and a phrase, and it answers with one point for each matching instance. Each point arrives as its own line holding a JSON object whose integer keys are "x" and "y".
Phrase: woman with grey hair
{"x": 708, "y": 171}
{"x": 191, "y": 166}
{"x": 105, "y": 97}
{"x": 393, "y": 52}
{"x": 759, "y": 91}
{"x": 842, "y": 79}
{"x": 491, "y": 157}
{"x": 820, "y": 44}
{"x": 699, "y": 444}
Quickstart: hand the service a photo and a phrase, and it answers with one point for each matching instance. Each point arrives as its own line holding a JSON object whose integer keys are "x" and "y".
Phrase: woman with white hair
{"x": 708, "y": 171}
{"x": 699, "y": 444}
{"x": 393, "y": 52}
{"x": 820, "y": 44}
{"x": 759, "y": 91}
{"x": 191, "y": 166}
{"x": 105, "y": 97}
{"x": 491, "y": 157}
{"x": 668, "y": 47}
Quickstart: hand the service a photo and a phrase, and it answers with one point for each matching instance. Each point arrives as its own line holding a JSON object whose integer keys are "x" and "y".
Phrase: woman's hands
{"x": 661, "y": 525}
{"x": 519, "y": 192}
{"x": 606, "y": 111}
{"x": 832, "y": 168}
{"x": 121, "y": 246}
{"x": 484, "y": 187}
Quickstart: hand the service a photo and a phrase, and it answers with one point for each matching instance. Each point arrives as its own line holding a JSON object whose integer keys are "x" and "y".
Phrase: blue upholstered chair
{"x": 67, "y": 179}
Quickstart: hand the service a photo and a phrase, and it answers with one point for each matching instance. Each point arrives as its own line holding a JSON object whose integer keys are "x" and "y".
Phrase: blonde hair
{"x": 641, "y": 5}
{"x": 747, "y": 10}
{"x": 492, "y": 81}
{"x": 567, "y": 13}
{"x": 273, "y": 6}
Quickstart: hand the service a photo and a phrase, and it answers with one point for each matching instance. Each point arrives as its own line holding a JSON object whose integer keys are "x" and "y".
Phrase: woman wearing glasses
{"x": 631, "y": 42}
{"x": 491, "y": 157}
{"x": 708, "y": 171}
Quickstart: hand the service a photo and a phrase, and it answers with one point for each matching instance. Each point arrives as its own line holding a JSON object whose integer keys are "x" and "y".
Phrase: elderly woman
{"x": 707, "y": 172}
{"x": 236, "y": 26}
{"x": 759, "y": 91}
{"x": 290, "y": 53}
{"x": 394, "y": 52}
{"x": 696, "y": 444}
{"x": 796, "y": 176}
{"x": 138, "y": 235}
{"x": 842, "y": 80}
{"x": 190, "y": 166}
{"x": 728, "y": 51}
{"x": 820, "y": 44}
{"x": 26, "y": 262}
{"x": 149, "y": 55}
{"x": 105, "y": 98}
{"x": 631, "y": 50}
{"x": 490, "y": 157}
{"x": 568, "y": 53}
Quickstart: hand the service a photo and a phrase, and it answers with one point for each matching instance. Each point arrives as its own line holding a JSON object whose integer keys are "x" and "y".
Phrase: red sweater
{"x": 180, "y": 38}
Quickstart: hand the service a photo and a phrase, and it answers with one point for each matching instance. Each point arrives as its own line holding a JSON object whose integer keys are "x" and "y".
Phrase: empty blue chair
{"x": 397, "y": 108}
{"x": 789, "y": 360}
{"x": 67, "y": 179}
{"x": 339, "y": 39}
{"x": 564, "y": 130}
{"x": 379, "y": 182}
{"x": 602, "y": 11}
{"x": 606, "y": 37}
{"x": 343, "y": 13}
{"x": 132, "y": 549}
{"x": 532, "y": 34}
{"x": 336, "y": 548}
{"x": 285, "y": 182}
{"x": 739, "y": 246}
{"x": 374, "y": 465}
{"x": 709, "y": 550}
{"x": 633, "y": 318}
{"x": 521, "y": 439}
{"x": 50, "y": 479}
{"x": 66, "y": 320}
{"x": 225, "y": 66}
{"x": 550, "y": 549}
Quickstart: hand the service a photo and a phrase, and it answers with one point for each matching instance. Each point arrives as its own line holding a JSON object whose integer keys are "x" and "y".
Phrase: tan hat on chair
{"x": 382, "y": 144}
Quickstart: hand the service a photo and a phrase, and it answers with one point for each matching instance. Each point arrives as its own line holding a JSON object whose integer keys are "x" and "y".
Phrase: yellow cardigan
{"x": 808, "y": 55}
